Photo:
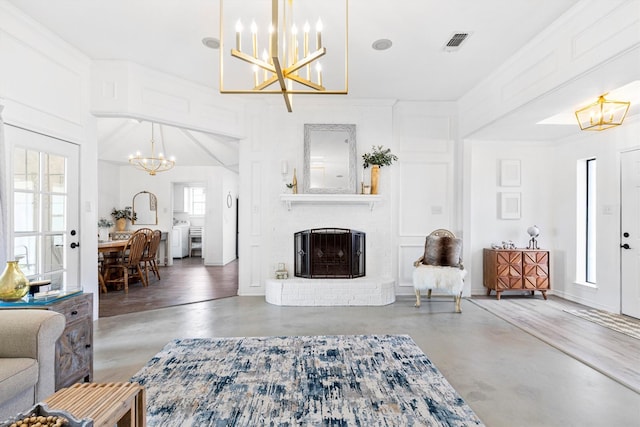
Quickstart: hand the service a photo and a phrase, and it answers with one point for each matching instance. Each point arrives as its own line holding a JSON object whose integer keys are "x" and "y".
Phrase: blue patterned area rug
{"x": 370, "y": 380}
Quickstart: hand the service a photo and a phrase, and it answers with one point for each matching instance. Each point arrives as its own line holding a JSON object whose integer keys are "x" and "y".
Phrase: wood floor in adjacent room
{"x": 188, "y": 280}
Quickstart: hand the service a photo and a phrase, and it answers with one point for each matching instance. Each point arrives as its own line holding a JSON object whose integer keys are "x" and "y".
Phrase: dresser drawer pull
{"x": 74, "y": 312}
{"x": 87, "y": 346}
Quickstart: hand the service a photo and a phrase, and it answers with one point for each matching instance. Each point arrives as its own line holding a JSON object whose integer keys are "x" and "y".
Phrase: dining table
{"x": 112, "y": 246}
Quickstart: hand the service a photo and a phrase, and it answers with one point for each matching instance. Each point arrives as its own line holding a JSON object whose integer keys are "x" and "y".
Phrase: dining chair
{"x": 129, "y": 262}
{"x": 149, "y": 257}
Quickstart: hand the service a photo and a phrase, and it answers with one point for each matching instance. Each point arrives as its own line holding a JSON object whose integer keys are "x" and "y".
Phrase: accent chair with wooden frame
{"x": 440, "y": 267}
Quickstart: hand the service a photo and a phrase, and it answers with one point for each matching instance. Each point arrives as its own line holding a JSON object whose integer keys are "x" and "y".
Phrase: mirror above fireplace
{"x": 330, "y": 159}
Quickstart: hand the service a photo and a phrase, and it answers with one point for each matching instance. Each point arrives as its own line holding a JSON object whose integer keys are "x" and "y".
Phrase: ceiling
{"x": 416, "y": 67}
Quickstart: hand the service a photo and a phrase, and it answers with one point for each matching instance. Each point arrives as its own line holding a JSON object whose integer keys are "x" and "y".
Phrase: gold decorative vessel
{"x": 13, "y": 283}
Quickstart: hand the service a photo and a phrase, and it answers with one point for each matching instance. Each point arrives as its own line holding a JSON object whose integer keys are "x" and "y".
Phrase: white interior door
{"x": 630, "y": 233}
{"x": 44, "y": 197}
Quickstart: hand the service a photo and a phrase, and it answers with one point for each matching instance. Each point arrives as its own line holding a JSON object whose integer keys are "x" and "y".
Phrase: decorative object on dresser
{"x": 534, "y": 232}
{"x": 516, "y": 270}
{"x": 440, "y": 267}
{"x": 74, "y": 348}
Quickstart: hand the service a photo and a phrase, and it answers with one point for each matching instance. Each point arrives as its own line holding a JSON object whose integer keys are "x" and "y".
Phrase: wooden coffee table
{"x": 121, "y": 404}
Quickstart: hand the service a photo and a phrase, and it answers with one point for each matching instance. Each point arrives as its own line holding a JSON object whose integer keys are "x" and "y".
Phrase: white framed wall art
{"x": 510, "y": 205}
{"x": 510, "y": 173}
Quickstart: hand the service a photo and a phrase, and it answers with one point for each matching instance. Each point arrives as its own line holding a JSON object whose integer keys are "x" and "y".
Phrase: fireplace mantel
{"x": 340, "y": 199}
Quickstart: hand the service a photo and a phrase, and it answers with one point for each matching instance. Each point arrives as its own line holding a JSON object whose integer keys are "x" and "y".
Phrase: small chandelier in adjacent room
{"x": 283, "y": 50}
{"x": 602, "y": 114}
{"x": 152, "y": 164}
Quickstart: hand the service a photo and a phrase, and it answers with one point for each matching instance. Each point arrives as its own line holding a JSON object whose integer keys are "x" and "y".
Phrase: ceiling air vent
{"x": 455, "y": 41}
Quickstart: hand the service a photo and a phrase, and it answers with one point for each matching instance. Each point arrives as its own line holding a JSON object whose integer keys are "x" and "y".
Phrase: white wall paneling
{"x": 564, "y": 51}
{"x": 407, "y": 255}
{"x": 426, "y": 198}
{"x": 426, "y": 193}
{"x": 124, "y": 89}
{"x": 255, "y": 266}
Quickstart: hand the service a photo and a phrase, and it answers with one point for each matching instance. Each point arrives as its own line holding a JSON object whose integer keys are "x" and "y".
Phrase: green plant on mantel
{"x": 126, "y": 213}
{"x": 379, "y": 156}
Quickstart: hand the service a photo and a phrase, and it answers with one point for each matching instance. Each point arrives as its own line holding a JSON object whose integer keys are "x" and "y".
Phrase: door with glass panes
{"x": 44, "y": 218}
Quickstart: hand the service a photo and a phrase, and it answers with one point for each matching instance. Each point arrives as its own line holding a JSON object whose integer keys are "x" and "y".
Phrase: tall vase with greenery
{"x": 378, "y": 157}
{"x": 122, "y": 215}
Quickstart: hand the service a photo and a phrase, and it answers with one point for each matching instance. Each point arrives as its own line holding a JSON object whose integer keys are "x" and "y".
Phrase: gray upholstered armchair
{"x": 27, "y": 357}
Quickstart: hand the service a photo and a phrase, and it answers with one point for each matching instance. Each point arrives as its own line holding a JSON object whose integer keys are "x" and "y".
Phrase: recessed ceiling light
{"x": 211, "y": 42}
{"x": 382, "y": 44}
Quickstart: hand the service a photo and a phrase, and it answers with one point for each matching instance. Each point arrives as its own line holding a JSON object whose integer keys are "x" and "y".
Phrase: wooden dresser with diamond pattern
{"x": 516, "y": 270}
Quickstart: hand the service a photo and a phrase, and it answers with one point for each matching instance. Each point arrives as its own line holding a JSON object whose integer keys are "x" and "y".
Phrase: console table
{"x": 74, "y": 348}
{"x": 516, "y": 270}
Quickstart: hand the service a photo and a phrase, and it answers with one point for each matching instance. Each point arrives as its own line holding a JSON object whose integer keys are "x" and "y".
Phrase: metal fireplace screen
{"x": 334, "y": 253}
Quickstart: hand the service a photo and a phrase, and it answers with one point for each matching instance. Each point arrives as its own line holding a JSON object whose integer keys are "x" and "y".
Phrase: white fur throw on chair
{"x": 449, "y": 279}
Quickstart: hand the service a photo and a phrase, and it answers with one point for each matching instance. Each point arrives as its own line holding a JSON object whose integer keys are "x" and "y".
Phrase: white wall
{"x": 267, "y": 227}
{"x": 605, "y": 147}
{"x": 482, "y": 216}
{"x": 108, "y": 189}
{"x": 417, "y": 192}
{"x": 45, "y": 87}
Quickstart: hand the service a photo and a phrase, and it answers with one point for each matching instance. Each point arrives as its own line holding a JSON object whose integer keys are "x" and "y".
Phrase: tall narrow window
{"x": 590, "y": 221}
{"x": 195, "y": 200}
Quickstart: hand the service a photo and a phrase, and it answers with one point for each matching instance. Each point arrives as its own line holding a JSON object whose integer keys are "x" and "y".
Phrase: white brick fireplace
{"x": 330, "y": 292}
{"x": 356, "y": 212}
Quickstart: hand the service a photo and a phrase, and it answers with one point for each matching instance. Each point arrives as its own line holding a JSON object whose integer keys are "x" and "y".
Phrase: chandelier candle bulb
{"x": 306, "y": 48}
{"x": 265, "y": 58}
{"x": 294, "y": 44}
{"x": 254, "y": 38}
{"x": 238, "y": 36}
{"x": 319, "y": 34}
{"x": 255, "y": 75}
{"x": 271, "y": 41}
{"x": 319, "y": 71}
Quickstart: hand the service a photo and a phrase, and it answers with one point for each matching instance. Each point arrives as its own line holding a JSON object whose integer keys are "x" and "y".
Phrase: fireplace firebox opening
{"x": 329, "y": 253}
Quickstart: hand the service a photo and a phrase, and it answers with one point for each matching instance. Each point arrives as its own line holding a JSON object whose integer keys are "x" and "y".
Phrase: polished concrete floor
{"x": 507, "y": 376}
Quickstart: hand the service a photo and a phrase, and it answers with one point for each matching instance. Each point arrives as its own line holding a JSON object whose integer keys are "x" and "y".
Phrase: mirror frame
{"x": 155, "y": 201}
{"x": 352, "y": 185}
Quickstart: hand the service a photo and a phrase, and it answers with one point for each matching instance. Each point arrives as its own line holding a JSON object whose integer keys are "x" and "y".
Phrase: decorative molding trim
{"x": 336, "y": 199}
